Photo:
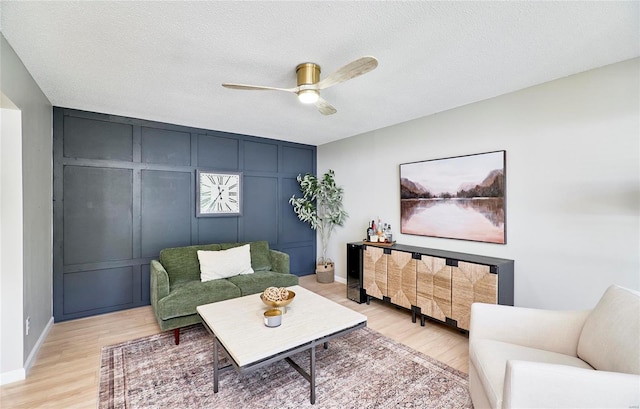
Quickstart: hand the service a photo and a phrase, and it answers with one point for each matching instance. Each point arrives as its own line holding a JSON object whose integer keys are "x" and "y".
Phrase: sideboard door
{"x": 401, "y": 278}
{"x": 434, "y": 287}
{"x": 471, "y": 283}
{"x": 374, "y": 272}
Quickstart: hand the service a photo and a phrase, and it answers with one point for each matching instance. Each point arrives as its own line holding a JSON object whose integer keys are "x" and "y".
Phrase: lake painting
{"x": 461, "y": 197}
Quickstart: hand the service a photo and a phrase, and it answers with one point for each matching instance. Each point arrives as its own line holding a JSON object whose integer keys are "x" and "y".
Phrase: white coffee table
{"x": 237, "y": 325}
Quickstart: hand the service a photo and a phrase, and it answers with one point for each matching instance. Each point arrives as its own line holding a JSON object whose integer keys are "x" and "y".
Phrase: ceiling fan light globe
{"x": 308, "y": 96}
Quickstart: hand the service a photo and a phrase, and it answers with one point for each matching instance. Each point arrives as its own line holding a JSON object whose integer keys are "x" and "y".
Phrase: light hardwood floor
{"x": 66, "y": 370}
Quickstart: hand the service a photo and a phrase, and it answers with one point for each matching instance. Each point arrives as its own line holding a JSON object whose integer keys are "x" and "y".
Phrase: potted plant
{"x": 321, "y": 207}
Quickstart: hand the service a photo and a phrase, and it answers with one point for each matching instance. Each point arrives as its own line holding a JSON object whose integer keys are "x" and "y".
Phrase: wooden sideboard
{"x": 431, "y": 283}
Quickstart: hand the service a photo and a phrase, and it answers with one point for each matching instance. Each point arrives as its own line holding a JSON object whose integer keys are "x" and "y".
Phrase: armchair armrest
{"x": 159, "y": 283}
{"x": 279, "y": 261}
{"x": 544, "y": 385}
{"x": 556, "y": 331}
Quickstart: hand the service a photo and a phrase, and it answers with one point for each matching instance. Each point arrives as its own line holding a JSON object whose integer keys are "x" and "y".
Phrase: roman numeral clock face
{"x": 219, "y": 194}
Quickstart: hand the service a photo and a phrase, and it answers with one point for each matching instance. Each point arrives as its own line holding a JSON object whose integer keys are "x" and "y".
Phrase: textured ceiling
{"x": 165, "y": 61}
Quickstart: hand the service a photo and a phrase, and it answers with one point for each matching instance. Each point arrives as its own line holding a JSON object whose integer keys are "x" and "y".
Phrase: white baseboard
{"x": 340, "y": 279}
{"x": 12, "y": 376}
{"x": 36, "y": 348}
{"x": 21, "y": 374}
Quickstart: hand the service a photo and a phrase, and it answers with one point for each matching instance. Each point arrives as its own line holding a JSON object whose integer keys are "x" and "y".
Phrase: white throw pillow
{"x": 224, "y": 263}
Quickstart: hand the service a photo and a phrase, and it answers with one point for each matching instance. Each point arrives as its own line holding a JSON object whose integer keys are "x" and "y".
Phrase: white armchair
{"x": 528, "y": 358}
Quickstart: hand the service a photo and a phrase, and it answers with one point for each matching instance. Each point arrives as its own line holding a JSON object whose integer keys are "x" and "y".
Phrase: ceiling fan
{"x": 309, "y": 83}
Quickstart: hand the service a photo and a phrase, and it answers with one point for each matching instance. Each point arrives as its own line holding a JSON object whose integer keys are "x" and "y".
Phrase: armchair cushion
{"x": 610, "y": 339}
{"x": 543, "y": 385}
{"x": 489, "y": 358}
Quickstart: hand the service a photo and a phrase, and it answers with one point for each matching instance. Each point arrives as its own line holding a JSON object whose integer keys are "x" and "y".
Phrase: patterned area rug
{"x": 363, "y": 369}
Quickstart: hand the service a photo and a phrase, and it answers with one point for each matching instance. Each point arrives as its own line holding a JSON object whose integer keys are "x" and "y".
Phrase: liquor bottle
{"x": 389, "y": 234}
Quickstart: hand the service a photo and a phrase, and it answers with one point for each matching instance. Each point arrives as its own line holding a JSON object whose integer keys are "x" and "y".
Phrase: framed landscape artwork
{"x": 461, "y": 197}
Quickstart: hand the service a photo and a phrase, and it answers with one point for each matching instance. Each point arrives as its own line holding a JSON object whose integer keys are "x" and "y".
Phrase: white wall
{"x": 573, "y": 181}
{"x": 11, "y": 359}
{"x": 35, "y": 166}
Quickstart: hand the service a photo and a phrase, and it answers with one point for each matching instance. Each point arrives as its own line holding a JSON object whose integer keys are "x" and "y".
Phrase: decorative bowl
{"x": 278, "y": 304}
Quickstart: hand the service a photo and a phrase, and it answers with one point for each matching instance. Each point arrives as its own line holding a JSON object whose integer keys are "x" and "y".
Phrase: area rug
{"x": 363, "y": 369}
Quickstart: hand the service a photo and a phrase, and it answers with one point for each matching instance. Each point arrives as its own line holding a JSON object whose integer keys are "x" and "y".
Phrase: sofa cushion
{"x": 215, "y": 265}
{"x": 185, "y": 297}
{"x": 260, "y": 260}
{"x": 609, "y": 340}
{"x": 260, "y": 280}
{"x": 489, "y": 358}
{"x": 182, "y": 263}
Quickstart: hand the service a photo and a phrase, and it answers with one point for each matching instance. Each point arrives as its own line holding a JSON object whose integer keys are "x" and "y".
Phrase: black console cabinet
{"x": 432, "y": 283}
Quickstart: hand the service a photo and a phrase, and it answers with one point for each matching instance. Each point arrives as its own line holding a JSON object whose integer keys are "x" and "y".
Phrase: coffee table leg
{"x": 215, "y": 365}
{"x": 312, "y": 370}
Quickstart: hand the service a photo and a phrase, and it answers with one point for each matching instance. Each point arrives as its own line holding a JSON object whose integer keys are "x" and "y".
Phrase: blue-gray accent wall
{"x": 124, "y": 189}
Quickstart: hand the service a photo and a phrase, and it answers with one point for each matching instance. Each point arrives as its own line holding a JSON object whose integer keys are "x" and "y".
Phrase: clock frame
{"x": 218, "y": 194}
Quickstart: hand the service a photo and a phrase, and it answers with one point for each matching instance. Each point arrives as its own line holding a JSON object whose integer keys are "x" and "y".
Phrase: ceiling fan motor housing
{"x": 308, "y": 73}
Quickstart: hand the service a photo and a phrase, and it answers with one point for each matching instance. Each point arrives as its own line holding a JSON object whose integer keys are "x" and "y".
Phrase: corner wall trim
{"x": 34, "y": 352}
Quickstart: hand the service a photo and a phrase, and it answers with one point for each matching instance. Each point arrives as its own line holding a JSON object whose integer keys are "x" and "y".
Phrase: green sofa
{"x": 176, "y": 289}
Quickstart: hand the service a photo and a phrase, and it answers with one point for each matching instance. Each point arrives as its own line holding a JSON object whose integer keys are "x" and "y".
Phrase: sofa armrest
{"x": 279, "y": 261}
{"x": 556, "y": 331}
{"x": 544, "y": 385}
{"x": 159, "y": 283}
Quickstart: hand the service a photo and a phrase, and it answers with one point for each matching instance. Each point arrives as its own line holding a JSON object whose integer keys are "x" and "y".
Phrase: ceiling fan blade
{"x": 258, "y": 87}
{"x": 353, "y": 69}
{"x": 324, "y": 107}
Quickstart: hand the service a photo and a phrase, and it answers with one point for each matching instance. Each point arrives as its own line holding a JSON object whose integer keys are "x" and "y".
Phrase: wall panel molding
{"x": 124, "y": 189}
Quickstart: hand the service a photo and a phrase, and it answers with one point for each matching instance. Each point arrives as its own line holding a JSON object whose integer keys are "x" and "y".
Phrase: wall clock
{"x": 218, "y": 193}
